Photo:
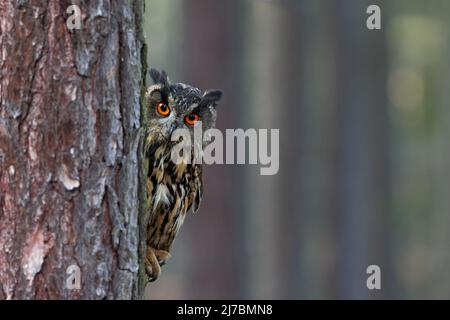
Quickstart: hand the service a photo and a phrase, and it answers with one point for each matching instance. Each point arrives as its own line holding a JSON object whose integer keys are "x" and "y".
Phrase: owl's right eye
{"x": 163, "y": 109}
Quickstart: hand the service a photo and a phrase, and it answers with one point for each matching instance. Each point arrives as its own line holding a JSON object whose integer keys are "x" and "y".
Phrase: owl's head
{"x": 173, "y": 106}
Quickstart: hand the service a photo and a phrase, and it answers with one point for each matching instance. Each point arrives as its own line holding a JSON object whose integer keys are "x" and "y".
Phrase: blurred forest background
{"x": 364, "y": 123}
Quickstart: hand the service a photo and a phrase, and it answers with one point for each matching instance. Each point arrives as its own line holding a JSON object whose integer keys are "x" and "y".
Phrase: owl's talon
{"x": 152, "y": 275}
{"x": 152, "y": 266}
{"x": 154, "y": 261}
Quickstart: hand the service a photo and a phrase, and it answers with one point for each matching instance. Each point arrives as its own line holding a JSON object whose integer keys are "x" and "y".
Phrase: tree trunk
{"x": 69, "y": 149}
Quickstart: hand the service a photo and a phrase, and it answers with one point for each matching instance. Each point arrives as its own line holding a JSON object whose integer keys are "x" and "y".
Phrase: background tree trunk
{"x": 362, "y": 159}
{"x": 69, "y": 163}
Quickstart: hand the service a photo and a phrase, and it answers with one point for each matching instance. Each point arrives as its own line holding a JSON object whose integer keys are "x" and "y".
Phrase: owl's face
{"x": 172, "y": 106}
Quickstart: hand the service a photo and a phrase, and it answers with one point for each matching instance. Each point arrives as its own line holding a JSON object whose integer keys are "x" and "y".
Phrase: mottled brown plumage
{"x": 172, "y": 189}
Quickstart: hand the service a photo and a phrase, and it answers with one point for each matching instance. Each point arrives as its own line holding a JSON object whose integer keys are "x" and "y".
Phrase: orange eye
{"x": 191, "y": 119}
{"x": 163, "y": 109}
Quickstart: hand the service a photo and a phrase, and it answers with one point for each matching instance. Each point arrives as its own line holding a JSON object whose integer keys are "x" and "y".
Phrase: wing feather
{"x": 196, "y": 189}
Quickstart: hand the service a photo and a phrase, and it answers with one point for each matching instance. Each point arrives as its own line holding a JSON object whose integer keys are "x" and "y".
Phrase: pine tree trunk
{"x": 69, "y": 149}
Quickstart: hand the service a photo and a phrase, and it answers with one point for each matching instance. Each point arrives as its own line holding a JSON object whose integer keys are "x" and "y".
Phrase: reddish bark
{"x": 69, "y": 112}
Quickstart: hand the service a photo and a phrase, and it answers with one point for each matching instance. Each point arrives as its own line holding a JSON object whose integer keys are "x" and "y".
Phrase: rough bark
{"x": 69, "y": 162}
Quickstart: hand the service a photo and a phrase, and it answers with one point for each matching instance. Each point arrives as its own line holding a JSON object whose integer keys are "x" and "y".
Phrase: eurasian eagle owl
{"x": 172, "y": 189}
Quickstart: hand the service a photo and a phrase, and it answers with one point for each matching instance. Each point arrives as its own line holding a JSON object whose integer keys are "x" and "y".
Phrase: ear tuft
{"x": 212, "y": 96}
{"x": 155, "y": 75}
{"x": 164, "y": 78}
{"x": 158, "y": 77}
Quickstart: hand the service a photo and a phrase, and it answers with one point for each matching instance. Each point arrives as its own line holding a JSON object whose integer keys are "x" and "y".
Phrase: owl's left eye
{"x": 191, "y": 119}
